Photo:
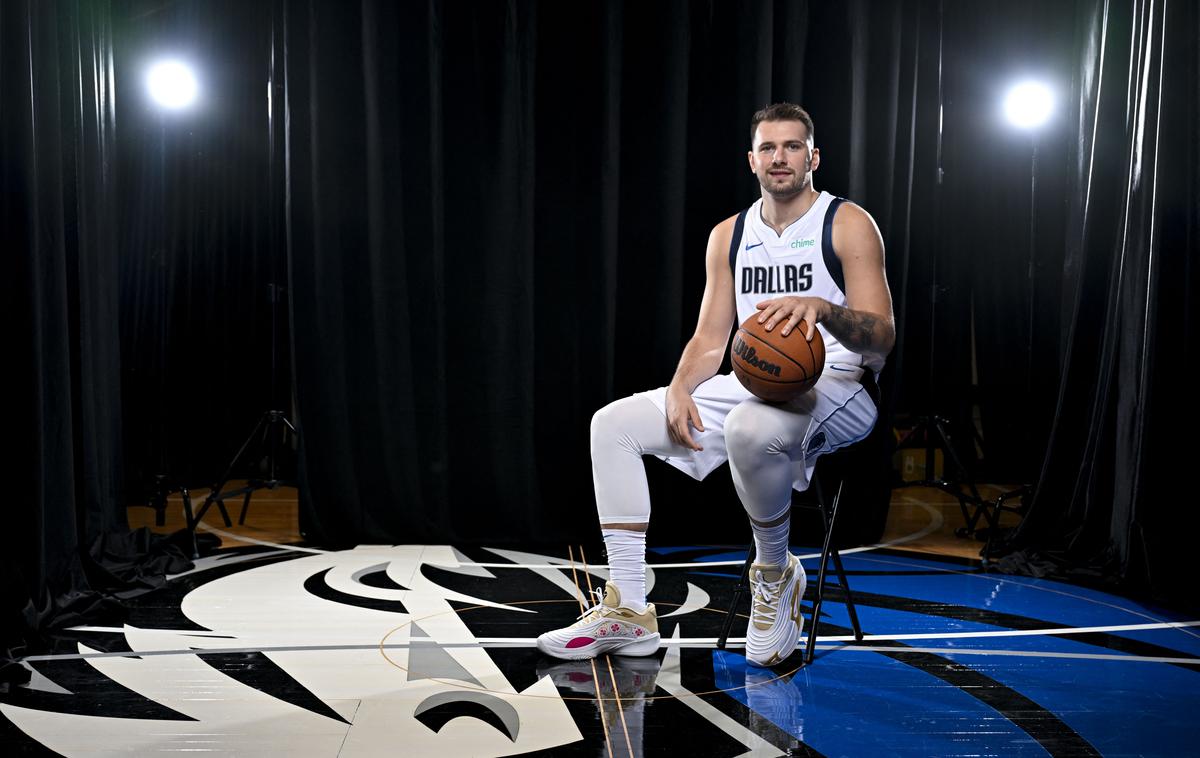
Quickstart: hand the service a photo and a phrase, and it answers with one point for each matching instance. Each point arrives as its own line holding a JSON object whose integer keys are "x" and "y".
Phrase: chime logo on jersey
{"x": 769, "y": 280}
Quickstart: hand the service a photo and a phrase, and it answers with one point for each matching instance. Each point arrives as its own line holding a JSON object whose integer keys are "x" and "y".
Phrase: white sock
{"x": 771, "y": 543}
{"x": 627, "y": 566}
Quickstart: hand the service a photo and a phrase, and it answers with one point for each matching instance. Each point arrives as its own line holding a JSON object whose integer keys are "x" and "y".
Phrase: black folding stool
{"x": 828, "y": 510}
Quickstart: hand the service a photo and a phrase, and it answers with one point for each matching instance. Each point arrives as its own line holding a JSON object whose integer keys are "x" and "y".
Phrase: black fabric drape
{"x": 198, "y": 259}
{"x": 497, "y": 220}
{"x": 1111, "y": 498}
{"x": 60, "y": 303}
{"x": 1001, "y": 228}
{"x": 66, "y": 542}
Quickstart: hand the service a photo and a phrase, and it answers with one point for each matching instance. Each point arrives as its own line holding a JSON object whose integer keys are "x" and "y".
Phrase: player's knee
{"x": 750, "y": 434}
{"x": 609, "y": 424}
{"x": 603, "y": 425}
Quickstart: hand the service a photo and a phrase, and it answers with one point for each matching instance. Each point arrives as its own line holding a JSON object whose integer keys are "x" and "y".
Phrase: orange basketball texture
{"x": 774, "y": 367}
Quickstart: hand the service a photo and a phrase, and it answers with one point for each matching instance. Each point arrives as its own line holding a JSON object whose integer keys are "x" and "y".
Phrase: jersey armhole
{"x": 832, "y": 263}
{"x": 736, "y": 240}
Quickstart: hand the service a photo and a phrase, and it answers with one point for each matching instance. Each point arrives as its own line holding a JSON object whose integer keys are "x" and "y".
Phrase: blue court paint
{"x": 872, "y": 706}
{"x": 723, "y": 574}
{"x": 1036, "y": 598}
{"x": 835, "y": 705}
{"x": 671, "y": 550}
{"x": 735, "y": 555}
{"x": 1183, "y": 640}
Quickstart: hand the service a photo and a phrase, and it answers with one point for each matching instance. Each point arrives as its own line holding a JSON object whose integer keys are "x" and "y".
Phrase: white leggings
{"x": 765, "y": 445}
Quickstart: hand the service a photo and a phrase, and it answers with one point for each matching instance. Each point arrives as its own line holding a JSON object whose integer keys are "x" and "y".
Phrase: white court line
{"x": 1049, "y": 631}
{"x": 121, "y": 629}
{"x": 685, "y": 642}
{"x": 1020, "y": 632}
{"x": 1015, "y": 653}
{"x": 670, "y": 679}
{"x": 1001, "y": 579}
{"x": 230, "y": 535}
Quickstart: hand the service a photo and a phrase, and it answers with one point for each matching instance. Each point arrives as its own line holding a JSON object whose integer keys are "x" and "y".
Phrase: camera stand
{"x": 933, "y": 432}
{"x": 162, "y": 491}
{"x": 273, "y": 432}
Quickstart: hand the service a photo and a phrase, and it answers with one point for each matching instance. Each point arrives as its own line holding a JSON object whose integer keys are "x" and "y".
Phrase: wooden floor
{"x": 273, "y": 517}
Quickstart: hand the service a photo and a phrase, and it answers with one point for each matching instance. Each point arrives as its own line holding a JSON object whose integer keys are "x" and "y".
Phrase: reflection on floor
{"x": 428, "y": 650}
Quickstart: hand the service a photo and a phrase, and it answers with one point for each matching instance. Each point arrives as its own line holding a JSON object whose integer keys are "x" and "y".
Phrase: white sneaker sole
{"x": 789, "y": 644}
{"x": 645, "y": 646}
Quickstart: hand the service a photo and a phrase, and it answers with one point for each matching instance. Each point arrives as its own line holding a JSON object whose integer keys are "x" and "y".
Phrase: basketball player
{"x": 794, "y": 254}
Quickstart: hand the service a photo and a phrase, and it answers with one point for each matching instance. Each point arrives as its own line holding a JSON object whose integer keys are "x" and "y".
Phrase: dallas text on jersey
{"x": 774, "y": 279}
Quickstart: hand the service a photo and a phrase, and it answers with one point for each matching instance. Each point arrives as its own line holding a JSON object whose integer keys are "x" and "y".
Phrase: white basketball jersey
{"x": 800, "y": 261}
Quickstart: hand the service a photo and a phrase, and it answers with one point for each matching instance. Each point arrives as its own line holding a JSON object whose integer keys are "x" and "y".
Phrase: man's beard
{"x": 782, "y": 192}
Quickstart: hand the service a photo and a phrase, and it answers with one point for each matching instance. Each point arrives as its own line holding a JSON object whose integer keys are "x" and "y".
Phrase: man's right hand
{"x": 682, "y": 412}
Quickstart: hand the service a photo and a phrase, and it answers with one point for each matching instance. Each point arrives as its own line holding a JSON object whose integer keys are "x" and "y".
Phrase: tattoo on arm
{"x": 859, "y": 331}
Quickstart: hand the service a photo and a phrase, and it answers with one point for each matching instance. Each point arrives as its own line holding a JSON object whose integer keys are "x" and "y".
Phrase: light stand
{"x": 992, "y": 511}
{"x": 163, "y": 483}
{"x": 933, "y": 430}
{"x": 273, "y": 431}
{"x": 1032, "y": 273}
{"x": 1028, "y": 105}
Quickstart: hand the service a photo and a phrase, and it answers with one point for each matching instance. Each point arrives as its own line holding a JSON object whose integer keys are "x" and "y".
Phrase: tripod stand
{"x": 274, "y": 431}
{"x": 1024, "y": 493}
{"x": 164, "y": 484}
{"x": 931, "y": 429}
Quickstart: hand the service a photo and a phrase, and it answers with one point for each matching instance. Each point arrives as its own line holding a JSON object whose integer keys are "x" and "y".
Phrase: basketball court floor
{"x": 273, "y": 647}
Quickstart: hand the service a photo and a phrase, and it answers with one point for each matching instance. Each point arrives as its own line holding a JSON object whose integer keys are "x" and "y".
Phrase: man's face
{"x": 782, "y": 158}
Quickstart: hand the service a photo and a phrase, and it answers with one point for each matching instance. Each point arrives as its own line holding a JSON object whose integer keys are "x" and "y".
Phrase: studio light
{"x": 171, "y": 84}
{"x": 1028, "y": 104}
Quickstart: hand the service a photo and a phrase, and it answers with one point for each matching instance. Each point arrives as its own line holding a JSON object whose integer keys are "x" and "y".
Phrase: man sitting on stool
{"x": 700, "y": 419}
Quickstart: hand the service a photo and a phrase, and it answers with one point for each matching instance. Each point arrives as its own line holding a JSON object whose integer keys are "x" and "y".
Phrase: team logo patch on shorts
{"x": 816, "y": 443}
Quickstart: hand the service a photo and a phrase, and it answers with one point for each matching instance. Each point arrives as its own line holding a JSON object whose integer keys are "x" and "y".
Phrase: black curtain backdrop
{"x": 63, "y": 464}
{"x": 495, "y": 221}
{"x": 1111, "y": 499}
{"x": 497, "y": 224}
{"x": 999, "y": 263}
{"x": 62, "y": 338}
{"x": 72, "y": 239}
{"x": 197, "y": 263}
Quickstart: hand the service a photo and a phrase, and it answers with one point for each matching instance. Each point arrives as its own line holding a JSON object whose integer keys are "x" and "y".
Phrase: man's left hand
{"x": 790, "y": 310}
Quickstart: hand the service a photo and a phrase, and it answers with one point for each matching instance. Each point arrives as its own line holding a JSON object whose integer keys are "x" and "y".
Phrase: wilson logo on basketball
{"x": 749, "y": 355}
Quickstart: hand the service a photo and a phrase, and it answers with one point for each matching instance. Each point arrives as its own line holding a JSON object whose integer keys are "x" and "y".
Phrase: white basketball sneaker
{"x": 775, "y": 620}
{"x": 606, "y": 627}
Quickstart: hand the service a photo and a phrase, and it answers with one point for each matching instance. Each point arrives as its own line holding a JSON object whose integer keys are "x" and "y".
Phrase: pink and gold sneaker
{"x": 606, "y": 627}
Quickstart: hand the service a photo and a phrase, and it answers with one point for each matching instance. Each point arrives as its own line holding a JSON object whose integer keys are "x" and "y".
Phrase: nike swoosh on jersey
{"x": 754, "y": 245}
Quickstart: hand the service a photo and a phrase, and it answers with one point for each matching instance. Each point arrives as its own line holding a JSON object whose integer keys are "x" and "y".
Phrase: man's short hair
{"x": 781, "y": 112}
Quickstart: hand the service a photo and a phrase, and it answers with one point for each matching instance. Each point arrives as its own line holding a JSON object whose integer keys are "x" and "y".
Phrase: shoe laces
{"x": 764, "y": 608}
{"x": 595, "y": 611}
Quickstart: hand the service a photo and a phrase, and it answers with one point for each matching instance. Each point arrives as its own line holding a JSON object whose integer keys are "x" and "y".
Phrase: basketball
{"x": 773, "y": 367}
